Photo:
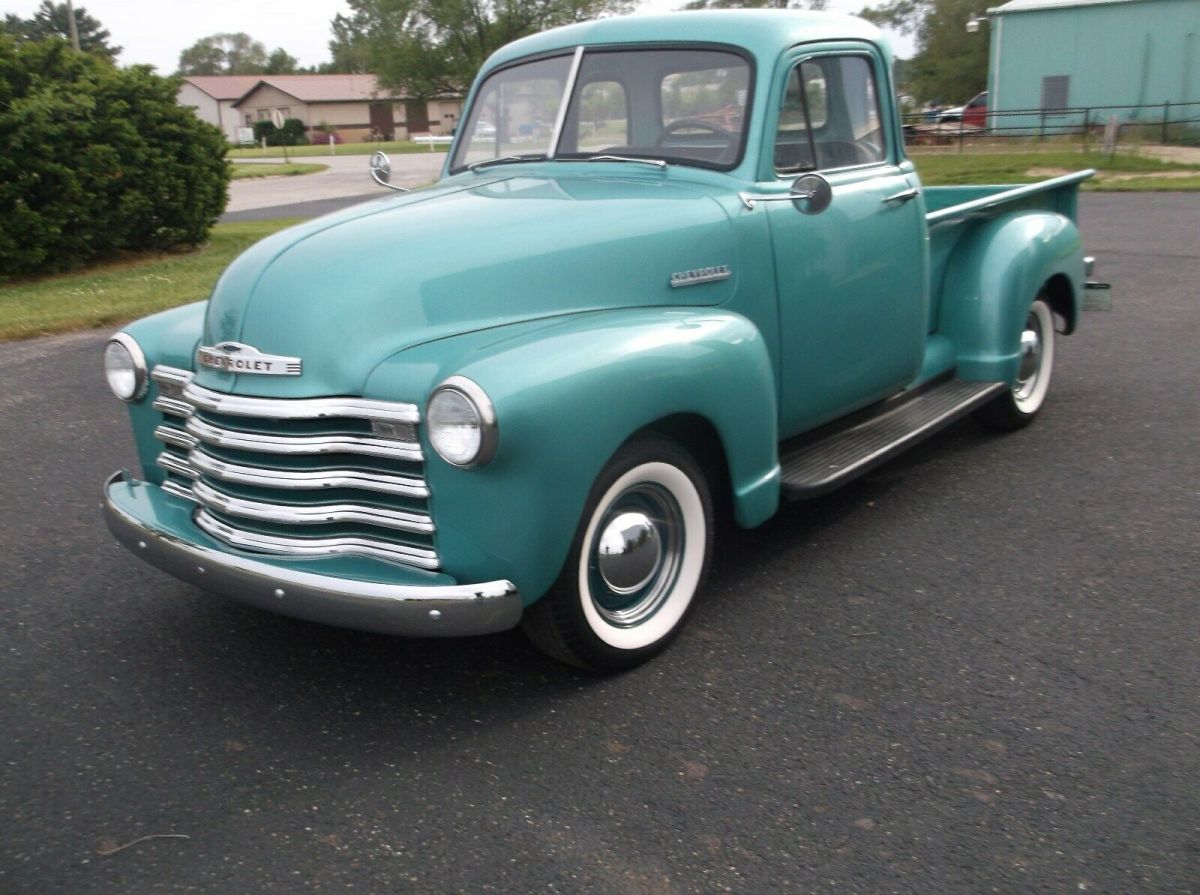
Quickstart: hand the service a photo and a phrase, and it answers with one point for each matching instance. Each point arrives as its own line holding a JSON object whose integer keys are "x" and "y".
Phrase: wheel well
{"x": 696, "y": 435}
{"x": 1059, "y": 294}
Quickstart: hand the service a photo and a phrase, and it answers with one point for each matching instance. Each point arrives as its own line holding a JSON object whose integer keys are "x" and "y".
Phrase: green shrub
{"x": 264, "y": 129}
{"x": 291, "y": 134}
{"x": 98, "y": 160}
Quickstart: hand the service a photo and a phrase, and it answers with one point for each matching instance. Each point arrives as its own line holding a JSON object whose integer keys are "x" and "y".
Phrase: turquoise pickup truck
{"x": 676, "y": 267}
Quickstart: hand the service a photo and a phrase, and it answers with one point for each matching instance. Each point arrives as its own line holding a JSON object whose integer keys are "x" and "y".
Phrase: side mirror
{"x": 381, "y": 171}
{"x": 811, "y": 193}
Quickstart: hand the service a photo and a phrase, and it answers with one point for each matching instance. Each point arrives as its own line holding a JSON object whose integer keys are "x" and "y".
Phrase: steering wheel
{"x": 684, "y": 123}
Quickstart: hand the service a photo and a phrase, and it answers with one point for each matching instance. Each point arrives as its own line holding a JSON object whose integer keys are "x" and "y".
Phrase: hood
{"x": 345, "y": 292}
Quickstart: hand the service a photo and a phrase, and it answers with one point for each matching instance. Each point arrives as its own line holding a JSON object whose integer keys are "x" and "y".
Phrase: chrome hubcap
{"x": 635, "y": 555}
{"x": 1031, "y": 358}
{"x": 630, "y": 550}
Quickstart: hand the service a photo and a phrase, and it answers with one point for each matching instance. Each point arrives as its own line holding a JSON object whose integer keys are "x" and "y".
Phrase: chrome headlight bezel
{"x": 485, "y": 414}
{"x": 141, "y": 373}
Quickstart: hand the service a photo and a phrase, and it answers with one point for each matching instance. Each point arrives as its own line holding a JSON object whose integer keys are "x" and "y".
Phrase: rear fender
{"x": 567, "y": 394}
{"x": 993, "y": 277}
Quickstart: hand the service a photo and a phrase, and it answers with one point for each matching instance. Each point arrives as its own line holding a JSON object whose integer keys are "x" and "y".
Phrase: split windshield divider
{"x": 568, "y": 89}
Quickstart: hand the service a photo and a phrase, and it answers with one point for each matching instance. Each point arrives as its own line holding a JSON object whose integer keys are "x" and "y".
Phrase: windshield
{"x": 678, "y": 105}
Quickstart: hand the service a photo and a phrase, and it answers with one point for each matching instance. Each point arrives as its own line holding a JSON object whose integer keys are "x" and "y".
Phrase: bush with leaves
{"x": 265, "y": 129}
{"x": 291, "y": 134}
{"x": 98, "y": 160}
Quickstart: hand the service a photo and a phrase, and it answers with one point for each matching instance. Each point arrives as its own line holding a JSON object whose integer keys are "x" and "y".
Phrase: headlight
{"x": 462, "y": 423}
{"x": 125, "y": 367}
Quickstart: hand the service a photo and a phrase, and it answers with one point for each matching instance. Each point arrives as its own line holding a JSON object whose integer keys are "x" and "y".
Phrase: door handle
{"x": 903, "y": 195}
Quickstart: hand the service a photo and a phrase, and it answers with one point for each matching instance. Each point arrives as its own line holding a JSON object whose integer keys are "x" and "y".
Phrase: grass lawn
{"x": 394, "y": 147}
{"x": 1147, "y": 184}
{"x": 262, "y": 169}
{"x": 112, "y": 293}
{"x": 1121, "y": 172}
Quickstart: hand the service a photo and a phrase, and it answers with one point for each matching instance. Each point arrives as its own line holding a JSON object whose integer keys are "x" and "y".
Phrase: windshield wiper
{"x": 652, "y": 162}
{"x": 508, "y": 160}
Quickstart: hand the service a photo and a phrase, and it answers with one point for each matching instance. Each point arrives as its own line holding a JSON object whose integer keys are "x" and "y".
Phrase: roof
{"x": 223, "y": 86}
{"x": 764, "y": 32}
{"x": 323, "y": 88}
{"x": 1034, "y": 5}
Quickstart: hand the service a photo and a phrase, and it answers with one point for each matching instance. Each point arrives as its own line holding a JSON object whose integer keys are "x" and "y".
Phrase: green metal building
{"x": 1084, "y": 55}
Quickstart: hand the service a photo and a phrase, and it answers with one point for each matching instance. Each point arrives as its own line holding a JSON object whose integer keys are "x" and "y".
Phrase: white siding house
{"x": 213, "y": 96}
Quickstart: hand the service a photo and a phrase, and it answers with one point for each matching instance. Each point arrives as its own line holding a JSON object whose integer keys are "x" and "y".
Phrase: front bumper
{"x": 134, "y": 512}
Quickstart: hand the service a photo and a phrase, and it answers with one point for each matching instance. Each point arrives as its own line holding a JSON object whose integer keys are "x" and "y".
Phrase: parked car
{"x": 973, "y": 114}
{"x": 526, "y": 394}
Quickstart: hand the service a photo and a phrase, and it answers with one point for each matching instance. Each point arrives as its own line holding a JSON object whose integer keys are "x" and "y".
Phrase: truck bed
{"x": 954, "y": 211}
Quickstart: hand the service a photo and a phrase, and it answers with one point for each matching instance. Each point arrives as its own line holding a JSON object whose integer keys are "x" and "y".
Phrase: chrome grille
{"x": 297, "y": 477}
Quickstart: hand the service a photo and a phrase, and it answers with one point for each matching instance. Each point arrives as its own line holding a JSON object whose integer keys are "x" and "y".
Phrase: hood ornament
{"x": 234, "y": 357}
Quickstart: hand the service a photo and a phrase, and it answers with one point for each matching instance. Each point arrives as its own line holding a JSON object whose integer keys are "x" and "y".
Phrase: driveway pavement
{"x": 975, "y": 670}
{"x": 346, "y": 177}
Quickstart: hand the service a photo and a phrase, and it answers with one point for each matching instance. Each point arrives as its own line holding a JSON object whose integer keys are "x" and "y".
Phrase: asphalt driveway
{"x": 346, "y": 179}
{"x": 978, "y": 669}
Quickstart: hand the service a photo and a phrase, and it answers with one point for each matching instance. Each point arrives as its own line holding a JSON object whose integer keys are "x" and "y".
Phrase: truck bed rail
{"x": 1009, "y": 195}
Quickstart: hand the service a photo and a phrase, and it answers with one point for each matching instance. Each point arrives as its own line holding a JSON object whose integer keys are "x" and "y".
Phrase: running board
{"x": 818, "y": 466}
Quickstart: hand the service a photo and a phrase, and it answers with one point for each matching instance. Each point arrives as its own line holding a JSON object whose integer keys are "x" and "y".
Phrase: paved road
{"x": 345, "y": 179}
{"x": 975, "y": 670}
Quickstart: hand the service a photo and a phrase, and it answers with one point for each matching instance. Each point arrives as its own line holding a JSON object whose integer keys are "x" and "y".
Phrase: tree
{"x": 372, "y": 26}
{"x": 224, "y": 54}
{"x": 98, "y": 160}
{"x": 50, "y": 20}
{"x": 950, "y": 64}
{"x": 901, "y": 15}
{"x": 432, "y": 47}
{"x": 281, "y": 62}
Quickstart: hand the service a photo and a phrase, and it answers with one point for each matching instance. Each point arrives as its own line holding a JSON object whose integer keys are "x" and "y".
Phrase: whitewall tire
{"x": 637, "y": 561}
{"x": 1017, "y": 407}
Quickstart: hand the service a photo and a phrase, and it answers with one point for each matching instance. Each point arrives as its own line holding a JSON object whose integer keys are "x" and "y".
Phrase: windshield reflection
{"x": 684, "y": 106}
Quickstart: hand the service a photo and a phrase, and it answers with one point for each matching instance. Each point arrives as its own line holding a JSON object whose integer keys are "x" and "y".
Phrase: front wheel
{"x": 1017, "y": 407}
{"x": 638, "y": 558}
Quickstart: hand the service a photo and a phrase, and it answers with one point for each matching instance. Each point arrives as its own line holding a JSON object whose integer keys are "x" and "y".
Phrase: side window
{"x": 603, "y": 116}
{"x": 816, "y": 94}
{"x": 830, "y": 116}
{"x": 793, "y": 141}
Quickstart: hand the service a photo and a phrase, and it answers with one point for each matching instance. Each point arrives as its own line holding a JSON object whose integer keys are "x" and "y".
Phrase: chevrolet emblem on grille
{"x": 234, "y": 357}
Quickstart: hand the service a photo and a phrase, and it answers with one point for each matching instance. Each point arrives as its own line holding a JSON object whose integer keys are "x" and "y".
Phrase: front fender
{"x": 169, "y": 338}
{"x": 992, "y": 279}
{"x": 568, "y": 392}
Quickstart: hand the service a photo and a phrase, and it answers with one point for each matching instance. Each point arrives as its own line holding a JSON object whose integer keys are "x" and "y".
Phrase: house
{"x": 213, "y": 96}
{"x": 1067, "y": 60}
{"x": 357, "y": 107}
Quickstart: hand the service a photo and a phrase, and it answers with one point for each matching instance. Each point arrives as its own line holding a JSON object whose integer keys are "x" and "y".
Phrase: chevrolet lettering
{"x": 234, "y": 357}
{"x": 514, "y": 407}
{"x": 702, "y": 275}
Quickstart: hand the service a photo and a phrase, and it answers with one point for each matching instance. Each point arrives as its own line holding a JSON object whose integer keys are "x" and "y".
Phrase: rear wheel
{"x": 1017, "y": 407}
{"x": 638, "y": 558}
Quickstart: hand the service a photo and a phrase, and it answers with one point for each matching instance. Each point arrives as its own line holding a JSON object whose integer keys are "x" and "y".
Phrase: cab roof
{"x": 763, "y": 32}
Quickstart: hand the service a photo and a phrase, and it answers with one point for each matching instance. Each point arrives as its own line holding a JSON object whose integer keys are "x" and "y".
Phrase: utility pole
{"x": 72, "y": 26}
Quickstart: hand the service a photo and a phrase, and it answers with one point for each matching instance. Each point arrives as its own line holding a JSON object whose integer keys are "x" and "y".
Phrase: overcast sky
{"x": 156, "y": 31}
